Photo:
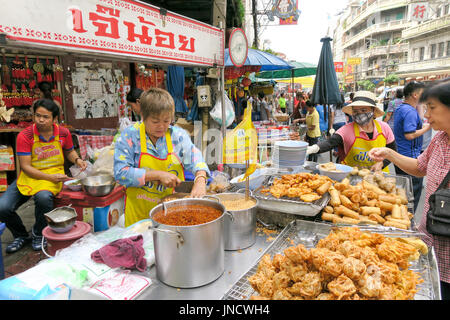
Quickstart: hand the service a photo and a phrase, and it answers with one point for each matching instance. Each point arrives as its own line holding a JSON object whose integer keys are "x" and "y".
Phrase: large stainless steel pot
{"x": 240, "y": 226}
{"x": 189, "y": 256}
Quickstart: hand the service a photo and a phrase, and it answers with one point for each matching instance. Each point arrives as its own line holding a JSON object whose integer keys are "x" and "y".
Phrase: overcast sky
{"x": 301, "y": 42}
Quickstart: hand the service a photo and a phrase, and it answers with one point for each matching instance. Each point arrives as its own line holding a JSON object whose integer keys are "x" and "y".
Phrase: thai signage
{"x": 118, "y": 27}
{"x": 339, "y": 66}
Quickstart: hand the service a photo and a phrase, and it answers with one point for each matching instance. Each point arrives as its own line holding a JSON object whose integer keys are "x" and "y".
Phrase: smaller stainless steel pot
{"x": 240, "y": 227}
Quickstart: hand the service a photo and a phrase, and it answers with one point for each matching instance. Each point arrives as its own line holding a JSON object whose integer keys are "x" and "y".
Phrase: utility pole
{"x": 255, "y": 24}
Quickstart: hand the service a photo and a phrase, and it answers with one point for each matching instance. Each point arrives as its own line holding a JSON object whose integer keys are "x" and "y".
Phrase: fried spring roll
{"x": 366, "y": 211}
{"x": 377, "y": 218}
{"x": 402, "y": 221}
{"x": 385, "y": 205}
{"x": 329, "y": 216}
{"x": 323, "y": 188}
{"x": 396, "y": 213}
{"x": 335, "y": 200}
{"x": 342, "y": 210}
{"x": 345, "y": 201}
{"x": 395, "y": 225}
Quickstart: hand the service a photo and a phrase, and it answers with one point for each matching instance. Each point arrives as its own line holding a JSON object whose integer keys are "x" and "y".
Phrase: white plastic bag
{"x": 76, "y": 172}
{"x": 104, "y": 161}
{"x": 216, "y": 112}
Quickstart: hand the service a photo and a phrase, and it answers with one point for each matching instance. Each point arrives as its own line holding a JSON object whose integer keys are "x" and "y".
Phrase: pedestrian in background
{"x": 393, "y": 105}
{"x": 408, "y": 131}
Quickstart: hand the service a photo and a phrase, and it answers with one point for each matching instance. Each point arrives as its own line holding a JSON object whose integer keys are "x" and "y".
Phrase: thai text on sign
{"x": 119, "y": 27}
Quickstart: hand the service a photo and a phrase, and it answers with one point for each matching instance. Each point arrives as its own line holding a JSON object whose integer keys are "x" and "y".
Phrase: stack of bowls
{"x": 289, "y": 154}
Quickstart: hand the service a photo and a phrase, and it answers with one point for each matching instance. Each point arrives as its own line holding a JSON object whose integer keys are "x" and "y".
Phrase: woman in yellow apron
{"x": 42, "y": 173}
{"x": 355, "y": 139}
{"x": 150, "y": 157}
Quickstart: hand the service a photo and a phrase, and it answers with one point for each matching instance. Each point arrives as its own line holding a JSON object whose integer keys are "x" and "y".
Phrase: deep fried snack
{"x": 395, "y": 225}
{"x": 309, "y": 287}
{"x": 334, "y": 197}
{"x": 329, "y": 216}
{"x": 310, "y": 197}
{"x": 385, "y": 205}
{"x": 328, "y": 209}
{"x": 353, "y": 268}
{"x": 346, "y": 201}
{"x": 372, "y": 187}
{"x": 323, "y": 188}
{"x": 342, "y": 287}
{"x": 376, "y": 217}
{"x": 389, "y": 198}
{"x": 347, "y": 212}
{"x": 366, "y": 211}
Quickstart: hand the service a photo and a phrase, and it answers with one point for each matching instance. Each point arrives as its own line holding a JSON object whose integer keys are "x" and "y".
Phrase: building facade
{"x": 378, "y": 38}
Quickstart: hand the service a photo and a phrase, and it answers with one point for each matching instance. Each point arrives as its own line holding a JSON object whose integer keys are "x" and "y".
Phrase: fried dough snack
{"x": 348, "y": 264}
{"x": 367, "y": 203}
{"x": 307, "y": 187}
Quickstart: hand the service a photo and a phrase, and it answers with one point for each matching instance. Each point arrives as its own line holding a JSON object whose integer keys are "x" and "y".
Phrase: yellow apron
{"x": 47, "y": 157}
{"x": 140, "y": 200}
{"x": 357, "y": 156}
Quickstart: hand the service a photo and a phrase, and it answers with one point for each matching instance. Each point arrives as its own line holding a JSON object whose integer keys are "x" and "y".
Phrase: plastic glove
{"x": 331, "y": 131}
{"x": 312, "y": 149}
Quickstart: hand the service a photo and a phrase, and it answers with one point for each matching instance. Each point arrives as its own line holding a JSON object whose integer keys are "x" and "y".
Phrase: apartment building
{"x": 382, "y": 35}
{"x": 429, "y": 48}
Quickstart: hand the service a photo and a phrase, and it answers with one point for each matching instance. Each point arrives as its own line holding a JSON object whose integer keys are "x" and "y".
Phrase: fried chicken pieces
{"x": 306, "y": 186}
{"x": 348, "y": 264}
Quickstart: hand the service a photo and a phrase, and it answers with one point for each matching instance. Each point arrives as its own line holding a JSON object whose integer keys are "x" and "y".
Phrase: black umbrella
{"x": 326, "y": 87}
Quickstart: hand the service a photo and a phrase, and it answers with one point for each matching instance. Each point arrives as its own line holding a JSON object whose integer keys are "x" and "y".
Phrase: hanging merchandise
{"x": 28, "y": 72}
{"x": 18, "y": 71}
{"x": 6, "y": 79}
{"x": 38, "y": 67}
{"x": 57, "y": 71}
{"x": 56, "y": 95}
{"x": 48, "y": 71}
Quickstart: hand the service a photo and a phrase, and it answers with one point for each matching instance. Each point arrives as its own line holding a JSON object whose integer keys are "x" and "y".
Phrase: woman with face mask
{"x": 355, "y": 139}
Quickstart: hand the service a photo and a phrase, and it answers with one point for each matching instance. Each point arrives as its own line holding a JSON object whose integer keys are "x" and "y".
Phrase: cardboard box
{"x": 3, "y": 182}
{"x": 7, "y": 159}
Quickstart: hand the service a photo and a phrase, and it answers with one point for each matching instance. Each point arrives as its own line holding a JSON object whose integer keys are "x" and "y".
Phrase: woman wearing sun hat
{"x": 355, "y": 139}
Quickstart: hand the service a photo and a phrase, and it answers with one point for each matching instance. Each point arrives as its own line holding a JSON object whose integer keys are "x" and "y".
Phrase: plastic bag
{"x": 104, "y": 161}
{"x": 220, "y": 182}
{"x": 76, "y": 172}
{"x": 216, "y": 112}
{"x": 241, "y": 144}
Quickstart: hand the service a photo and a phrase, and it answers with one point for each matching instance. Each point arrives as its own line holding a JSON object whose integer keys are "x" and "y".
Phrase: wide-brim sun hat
{"x": 364, "y": 99}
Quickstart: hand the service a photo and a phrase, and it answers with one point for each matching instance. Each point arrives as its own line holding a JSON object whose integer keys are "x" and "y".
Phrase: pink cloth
{"x": 348, "y": 134}
{"x": 128, "y": 253}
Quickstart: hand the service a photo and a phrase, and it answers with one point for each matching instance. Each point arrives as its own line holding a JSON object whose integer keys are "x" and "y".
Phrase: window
{"x": 448, "y": 48}
{"x": 433, "y": 51}
{"x": 415, "y": 56}
{"x": 438, "y": 12}
{"x": 446, "y": 9}
{"x": 441, "y": 49}
{"x": 422, "y": 53}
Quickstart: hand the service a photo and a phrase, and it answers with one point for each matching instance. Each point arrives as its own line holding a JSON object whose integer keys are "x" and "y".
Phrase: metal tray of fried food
{"x": 404, "y": 182}
{"x": 288, "y": 205}
{"x": 309, "y": 233}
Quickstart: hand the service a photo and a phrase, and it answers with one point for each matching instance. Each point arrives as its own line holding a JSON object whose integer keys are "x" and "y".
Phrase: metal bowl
{"x": 98, "y": 186}
{"x": 61, "y": 219}
{"x": 74, "y": 185}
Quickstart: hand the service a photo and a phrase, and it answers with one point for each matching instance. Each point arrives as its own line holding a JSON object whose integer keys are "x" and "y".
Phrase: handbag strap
{"x": 444, "y": 182}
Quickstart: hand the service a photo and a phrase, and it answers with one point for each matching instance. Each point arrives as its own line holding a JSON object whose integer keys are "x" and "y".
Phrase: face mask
{"x": 363, "y": 118}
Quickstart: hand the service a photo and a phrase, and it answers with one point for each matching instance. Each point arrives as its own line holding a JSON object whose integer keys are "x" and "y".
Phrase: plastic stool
{"x": 2, "y": 269}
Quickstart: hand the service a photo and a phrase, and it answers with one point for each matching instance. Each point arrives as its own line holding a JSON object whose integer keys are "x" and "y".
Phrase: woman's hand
{"x": 199, "y": 188}
{"x": 379, "y": 154}
{"x": 81, "y": 163}
{"x": 58, "y": 177}
{"x": 168, "y": 180}
{"x": 377, "y": 166}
